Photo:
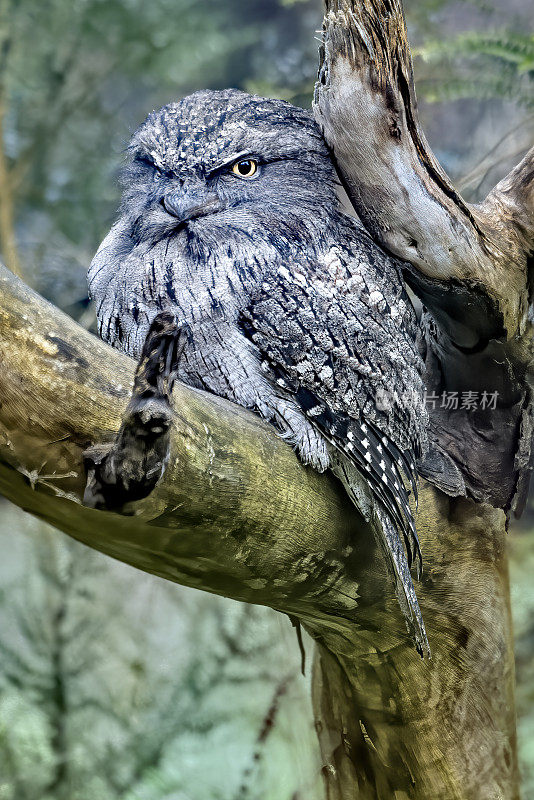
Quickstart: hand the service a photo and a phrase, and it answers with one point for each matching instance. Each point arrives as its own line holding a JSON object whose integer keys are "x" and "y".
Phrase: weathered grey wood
{"x": 469, "y": 264}
{"x": 365, "y": 102}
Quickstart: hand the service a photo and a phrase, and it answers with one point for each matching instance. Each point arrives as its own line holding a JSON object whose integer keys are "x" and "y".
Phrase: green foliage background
{"x": 114, "y": 684}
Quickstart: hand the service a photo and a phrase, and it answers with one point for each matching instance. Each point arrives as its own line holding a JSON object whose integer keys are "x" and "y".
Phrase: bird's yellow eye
{"x": 246, "y": 168}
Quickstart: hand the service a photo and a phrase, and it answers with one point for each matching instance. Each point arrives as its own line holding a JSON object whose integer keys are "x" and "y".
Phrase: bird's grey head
{"x": 227, "y": 160}
{"x": 217, "y": 185}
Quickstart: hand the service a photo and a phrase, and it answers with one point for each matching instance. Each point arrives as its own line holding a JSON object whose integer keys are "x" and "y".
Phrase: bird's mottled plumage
{"x": 293, "y": 311}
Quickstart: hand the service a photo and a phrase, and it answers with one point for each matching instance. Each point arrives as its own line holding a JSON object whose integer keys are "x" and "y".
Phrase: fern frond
{"x": 479, "y": 65}
{"x": 507, "y": 45}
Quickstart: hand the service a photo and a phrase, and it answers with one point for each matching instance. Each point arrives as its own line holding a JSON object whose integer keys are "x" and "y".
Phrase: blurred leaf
{"x": 479, "y": 65}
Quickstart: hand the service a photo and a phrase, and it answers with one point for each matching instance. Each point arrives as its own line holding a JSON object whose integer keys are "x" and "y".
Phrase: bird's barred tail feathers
{"x": 391, "y": 545}
{"x": 383, "y": 465}
{"x": 390, "y": 542}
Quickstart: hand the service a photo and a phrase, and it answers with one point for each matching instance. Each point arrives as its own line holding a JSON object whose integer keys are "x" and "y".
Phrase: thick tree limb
{"x": 235, "y": 513}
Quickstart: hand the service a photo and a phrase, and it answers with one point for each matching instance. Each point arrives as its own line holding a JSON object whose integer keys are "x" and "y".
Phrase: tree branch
{"x": 508, "y": 210}
{"x": 235, "y": 513}
{"x": 365, "y": 102}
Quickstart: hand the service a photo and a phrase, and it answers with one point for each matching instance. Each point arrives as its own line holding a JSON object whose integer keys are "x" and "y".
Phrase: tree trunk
{"x": 392, "y": 725}
{"x": 236, "y": 514}
{"x": 8, "y": 241}
{"x": 444, "y": 729}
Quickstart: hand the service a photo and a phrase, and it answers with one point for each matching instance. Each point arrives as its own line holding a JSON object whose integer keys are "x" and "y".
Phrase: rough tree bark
{"x": 236, "y": 514}
{"x": 470, "y": 266}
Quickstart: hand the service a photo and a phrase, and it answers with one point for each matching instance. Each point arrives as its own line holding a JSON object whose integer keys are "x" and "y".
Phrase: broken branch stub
{"x": 129, "y": 468}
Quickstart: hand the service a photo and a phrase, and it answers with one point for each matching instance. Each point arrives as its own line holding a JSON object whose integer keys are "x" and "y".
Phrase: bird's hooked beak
{"x": 186, "y": 204}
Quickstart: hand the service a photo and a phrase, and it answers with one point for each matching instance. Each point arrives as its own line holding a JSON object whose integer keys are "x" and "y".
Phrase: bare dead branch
{"x": 365, "y": 102}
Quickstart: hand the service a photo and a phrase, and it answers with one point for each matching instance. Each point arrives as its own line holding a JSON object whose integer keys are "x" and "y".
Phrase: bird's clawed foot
{"x": 129, "y": 468}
